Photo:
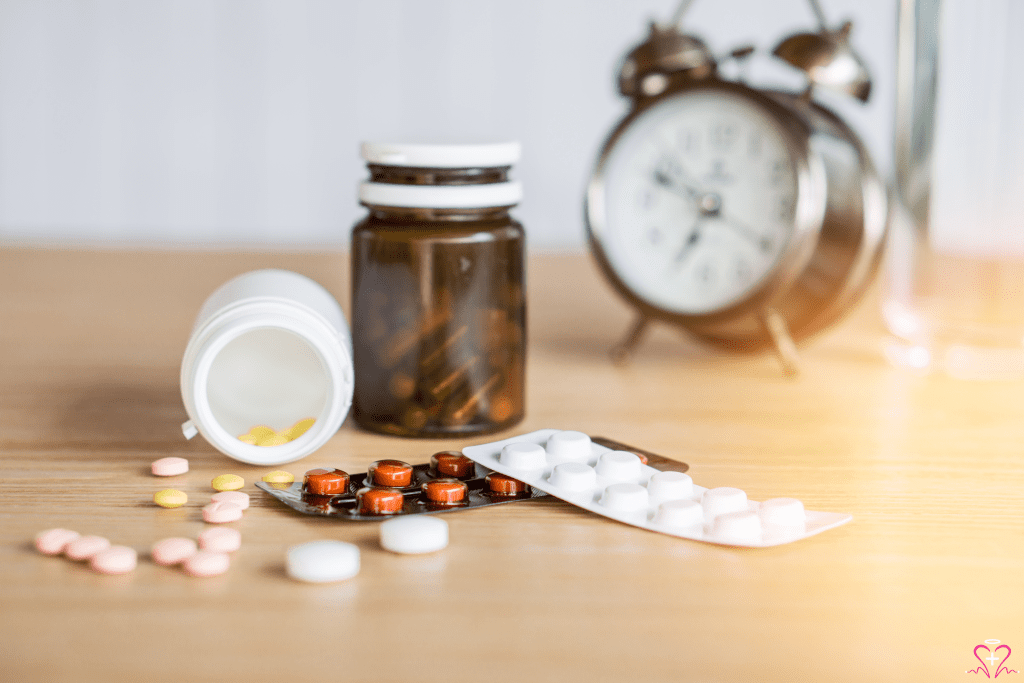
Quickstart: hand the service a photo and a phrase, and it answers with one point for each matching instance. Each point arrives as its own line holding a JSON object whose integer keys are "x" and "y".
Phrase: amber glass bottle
{"x": 438, "y": 311}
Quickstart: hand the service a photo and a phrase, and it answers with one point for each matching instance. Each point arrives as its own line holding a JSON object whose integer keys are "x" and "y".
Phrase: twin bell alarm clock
{"x": 751, "y": 217}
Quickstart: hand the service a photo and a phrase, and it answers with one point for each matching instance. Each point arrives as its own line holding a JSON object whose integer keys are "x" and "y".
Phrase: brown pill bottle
{"x": 438, "y": 307}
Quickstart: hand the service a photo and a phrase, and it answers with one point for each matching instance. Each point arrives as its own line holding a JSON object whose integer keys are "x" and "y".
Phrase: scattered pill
{"x": 84, "y": 547}
{"x": 54, "y": 541}
{"x": 171, "y": 551}
{"x": 452, "y": 464}
{"x": 504, "y": 485}
{"x": 169, "y": 467}
{"x": 322, "y": 561}
{"x": 379, "y": 500}
{"x": 207, "y": 563}
{"x": 325, "y": 482}
{"x": 227, "y": 482}
{"x": 448, "y": 491}
{"x": 413, "y": 535}
{"x": 279, "y": 477}
{"x": 390, "y": 473}
{"x": 220, "y": 539}
{"x": 220, "y": 513}
{"x": 170, "y": 498}
{"x": 116, "y": 559}
{"x": 237, "y": 497}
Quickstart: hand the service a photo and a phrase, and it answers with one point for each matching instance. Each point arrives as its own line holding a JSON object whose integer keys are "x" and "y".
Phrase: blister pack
{"x": 451, "y": 481}
{"x": 617, "y": 484}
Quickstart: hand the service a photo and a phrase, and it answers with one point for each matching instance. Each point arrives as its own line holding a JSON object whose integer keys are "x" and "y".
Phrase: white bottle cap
{"x": 490, "y": 155}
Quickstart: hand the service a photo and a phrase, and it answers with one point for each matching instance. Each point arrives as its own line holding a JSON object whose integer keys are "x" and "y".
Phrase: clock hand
{"x": 683, "y": 189}
{"x": 760, "y": 241}
{"x": 688, "y": 246}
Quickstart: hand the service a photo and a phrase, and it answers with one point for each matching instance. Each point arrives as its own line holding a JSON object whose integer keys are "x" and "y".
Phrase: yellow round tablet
{"x": 170, "y": 498}
{"x": 275, "y": 440}
{"x": 249, "y": 439}
{"x": 279, "y": 477}
{"x": 227, "y": 482}
{"x": 261, "y": 432}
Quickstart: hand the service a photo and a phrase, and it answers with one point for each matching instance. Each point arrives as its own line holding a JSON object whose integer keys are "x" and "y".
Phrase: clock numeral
{"x": 777, "y": 172}
{"x": 754, "y": 143}
{"x": 707, "y": 273}
{"x": 723, "y": 136}
{"x": 689, "y": 141}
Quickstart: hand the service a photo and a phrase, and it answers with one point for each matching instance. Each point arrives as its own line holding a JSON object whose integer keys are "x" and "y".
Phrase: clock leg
{"x": 623, "y": 350}
{"x": 785, "y": 348}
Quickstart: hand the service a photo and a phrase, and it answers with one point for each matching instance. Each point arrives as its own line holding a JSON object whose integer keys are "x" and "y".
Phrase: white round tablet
{"x": 322, "y": 561}
{"x": 414, "y": 534}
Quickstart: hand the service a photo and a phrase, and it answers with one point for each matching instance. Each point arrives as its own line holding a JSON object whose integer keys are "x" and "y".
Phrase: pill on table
{"x": 452, "y": 464}
{"x": 169, "y": 467}
{"x": 171, "y": 551}
{"x": 170, "y": 498}
{"x": 448, "y": 491}
{"x": 414, "y": 534}
{"x": 220, "y": 513}
{"x": 207, "y": 563}
{"x": 322, "y": 561}
{"x": 54, "y": 541}
{"x": 117, "y": 559}
{"x": 505, "y": 485}
{"x": 220, "y": 539}
{"x": 325, "y": 482}
{"x": 227, "y": 482}
{"x": 84, "y": 547}
{"x": 379, "y": 500}
{"x": 279, "y": 477}
{"x": 237, "y": 497}
{"x": 390, "y": 473}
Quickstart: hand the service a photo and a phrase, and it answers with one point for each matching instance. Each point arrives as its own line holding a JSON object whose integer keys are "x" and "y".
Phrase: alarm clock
{"x": 751, "y": 217}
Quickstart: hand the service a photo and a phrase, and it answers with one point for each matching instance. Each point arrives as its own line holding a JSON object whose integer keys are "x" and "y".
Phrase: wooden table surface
{"x": 931, "y": 469}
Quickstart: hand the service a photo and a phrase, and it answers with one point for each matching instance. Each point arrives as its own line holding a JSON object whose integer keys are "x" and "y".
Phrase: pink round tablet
{"x": 220, "y": 539}
{"x": 117, "y": 559}
{"x": 169, "y": 467}
{"x": 54, "y": 541}
{"x": 172, "y": 551}
{"x": 221, "y": 512}
{"x": 84, "y": 547}
{"x": 207, "y": 563}
{"x": 237, "y": 497}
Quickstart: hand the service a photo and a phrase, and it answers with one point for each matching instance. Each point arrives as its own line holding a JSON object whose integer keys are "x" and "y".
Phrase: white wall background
{"x": 237, "y": 122}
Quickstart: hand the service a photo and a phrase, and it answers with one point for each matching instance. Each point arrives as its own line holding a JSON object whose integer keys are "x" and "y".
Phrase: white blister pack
{"x": 616, "y": 484}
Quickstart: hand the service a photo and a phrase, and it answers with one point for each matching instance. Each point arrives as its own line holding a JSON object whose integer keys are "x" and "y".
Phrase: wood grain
{"x": 930, "y": 468}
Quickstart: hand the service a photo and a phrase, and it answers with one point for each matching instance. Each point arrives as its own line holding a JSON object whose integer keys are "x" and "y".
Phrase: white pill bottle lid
{"x": 269, "y": 347}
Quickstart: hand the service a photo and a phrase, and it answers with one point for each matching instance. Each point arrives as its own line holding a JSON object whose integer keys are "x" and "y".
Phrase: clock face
{"x": 699, "y": 201}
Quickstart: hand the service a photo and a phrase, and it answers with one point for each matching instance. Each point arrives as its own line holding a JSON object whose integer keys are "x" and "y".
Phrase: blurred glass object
{"x": 955, "y": 293}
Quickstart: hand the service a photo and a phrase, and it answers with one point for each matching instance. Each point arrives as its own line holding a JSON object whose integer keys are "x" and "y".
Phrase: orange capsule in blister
{"x": 452, "y": 464}
{"x": 447, "y": 491}
{"x": 324, "y": 482}
{"x": 379, "y": 500}
{"x": 505, "y": 485}
{"x": 389, "y": 473}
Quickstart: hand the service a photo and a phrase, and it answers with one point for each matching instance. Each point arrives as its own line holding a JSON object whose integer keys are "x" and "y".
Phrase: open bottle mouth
{"x": 267, "y": 378}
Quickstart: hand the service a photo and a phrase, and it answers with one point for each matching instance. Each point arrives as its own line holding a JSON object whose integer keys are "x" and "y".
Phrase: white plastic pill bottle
{"x": 269, "y": 347}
